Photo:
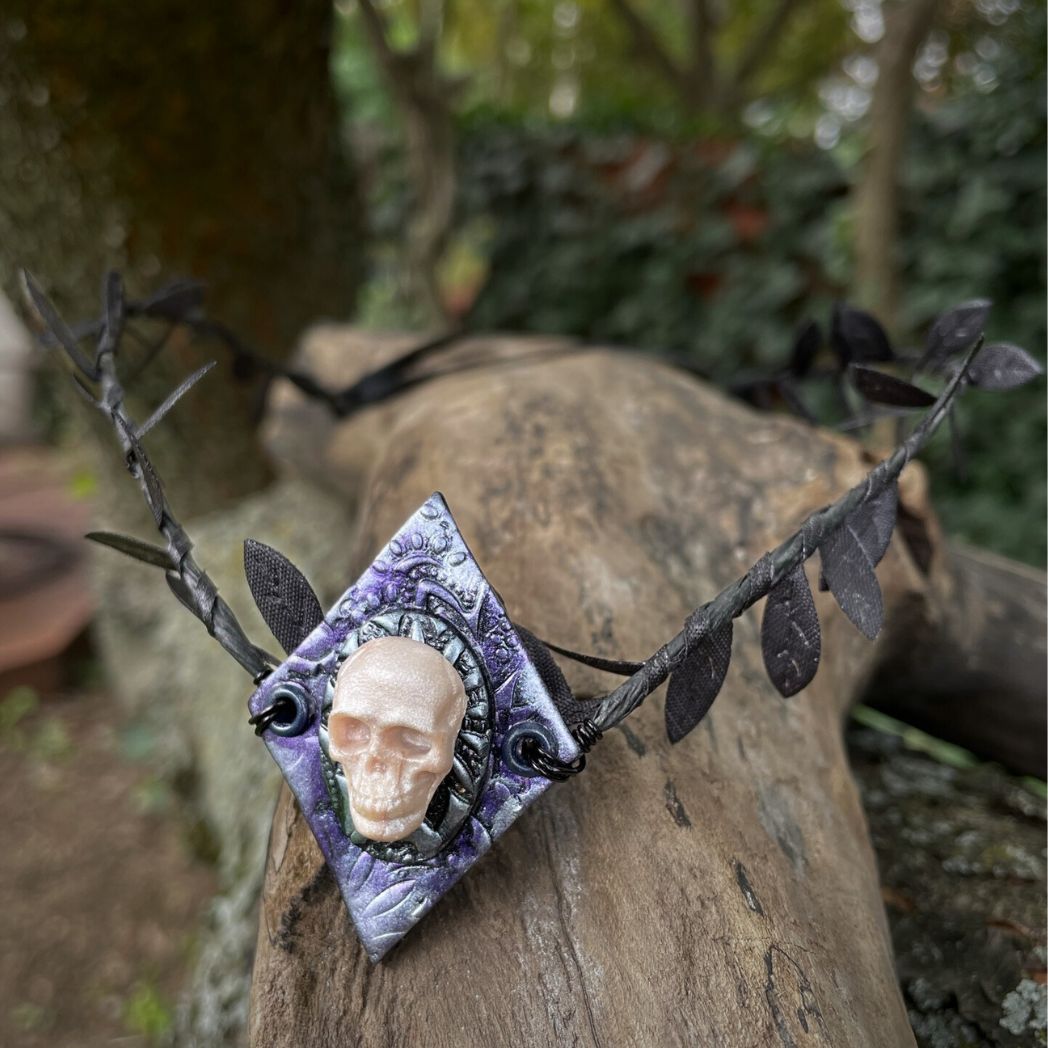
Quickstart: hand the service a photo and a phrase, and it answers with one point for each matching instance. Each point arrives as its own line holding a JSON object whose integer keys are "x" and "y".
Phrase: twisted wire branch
{"x": 762, "y": 577}
{"x": 98, "y": 379}
{"x": 180, "y": 304}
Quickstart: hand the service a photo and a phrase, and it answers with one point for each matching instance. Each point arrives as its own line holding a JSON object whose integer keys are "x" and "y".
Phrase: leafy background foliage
{"x": 637, "y": 222}
{"x": 975, "y": 205}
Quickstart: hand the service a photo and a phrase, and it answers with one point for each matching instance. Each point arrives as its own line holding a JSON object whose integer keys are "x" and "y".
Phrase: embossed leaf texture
{"x": 791, "y": 641}
{"x": 136, "y": 548}
{"x": 696, "y": 682}
{"x": 1001, "y": 365}
{"x": 284, "y": 597}
{"x": 391, "y": 899}
{"x": 881, "y": 388}
{"x": 360, "y": 871}
{"x": 856, "y": 337}
{"x": 390, "y": 913}
{"x": 953, "y": 332}
{"x": 850, "y": 554}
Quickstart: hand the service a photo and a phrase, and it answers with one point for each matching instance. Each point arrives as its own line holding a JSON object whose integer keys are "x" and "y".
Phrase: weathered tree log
{"x": 969, "y": 665}
{"x": 722, "y": 891}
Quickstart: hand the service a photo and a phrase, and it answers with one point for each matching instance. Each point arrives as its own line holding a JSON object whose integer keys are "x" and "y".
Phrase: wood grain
{"x": 719, "y": 892}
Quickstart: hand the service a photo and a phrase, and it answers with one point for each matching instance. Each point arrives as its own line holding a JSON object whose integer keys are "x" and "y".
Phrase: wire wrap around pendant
{"x": 546, "y": 764}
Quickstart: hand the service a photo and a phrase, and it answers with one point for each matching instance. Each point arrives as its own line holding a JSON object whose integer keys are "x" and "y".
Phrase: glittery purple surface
{"x": 426, "y": 567}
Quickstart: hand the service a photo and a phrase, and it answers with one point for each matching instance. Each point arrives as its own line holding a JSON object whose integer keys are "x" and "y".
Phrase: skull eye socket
{"x": 412, "y": 743}
{"x": 348, "y": 733}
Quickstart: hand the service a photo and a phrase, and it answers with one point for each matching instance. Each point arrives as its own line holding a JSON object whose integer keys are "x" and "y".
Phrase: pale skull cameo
{"x": 396, "y": 713}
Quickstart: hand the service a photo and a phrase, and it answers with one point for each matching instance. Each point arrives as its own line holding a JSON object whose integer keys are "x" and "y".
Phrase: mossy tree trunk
{"x": 171, "y": 139}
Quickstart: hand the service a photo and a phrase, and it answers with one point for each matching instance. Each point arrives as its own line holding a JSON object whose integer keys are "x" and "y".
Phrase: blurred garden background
{"x": 697, "y": 178}
{"x": 703, "y": 178}
{"x": 691, "y": 176}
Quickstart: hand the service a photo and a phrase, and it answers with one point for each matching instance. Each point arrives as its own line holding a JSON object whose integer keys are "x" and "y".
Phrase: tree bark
{"x": 722, "y": 891}
{"x": 961, "y": 857}
{"x": 648, "y": 48}
{"x": 177, "y": 140}
{"x": 703, "y": 84}
{"x": 877, "y": 194}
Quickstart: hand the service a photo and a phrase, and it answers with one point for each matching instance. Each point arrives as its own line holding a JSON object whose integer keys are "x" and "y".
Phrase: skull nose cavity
{"x": 377, "y": 762}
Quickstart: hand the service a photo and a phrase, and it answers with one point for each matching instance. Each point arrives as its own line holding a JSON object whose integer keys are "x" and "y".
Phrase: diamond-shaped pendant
{"x": 425, "y": 585}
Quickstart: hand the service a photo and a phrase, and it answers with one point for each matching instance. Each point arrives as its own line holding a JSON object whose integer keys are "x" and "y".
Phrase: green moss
{"x": 148, "y": 1014}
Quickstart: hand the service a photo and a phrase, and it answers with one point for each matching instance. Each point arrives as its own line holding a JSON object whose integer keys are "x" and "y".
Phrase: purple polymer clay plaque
{"x": 426, "y": 585}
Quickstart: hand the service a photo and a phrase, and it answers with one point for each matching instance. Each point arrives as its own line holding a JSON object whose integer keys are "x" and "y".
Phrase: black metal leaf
{"x": 174, "y": 397}
{"x": 696, "y": 682}
{"x": 56, "y": 326}
{"x": 874, "y": 521}
{"x": 157, "y": 501}
{"x": 805, "y": 347}
{"x": 857, "y": 336}
{"x": 881, "y": 388}
{"x": 848, "y": 557}
{"x": 954, "y": 331}
{"x": 175, "y": 301}
{"x": 137, "y": 457}
{"x": 284, "y": 597}
{"x": 136, "y": 548}
{"x": 571, "y": 710}
{"x": 1001, "y": 365}
{"x": 791, "y": 641}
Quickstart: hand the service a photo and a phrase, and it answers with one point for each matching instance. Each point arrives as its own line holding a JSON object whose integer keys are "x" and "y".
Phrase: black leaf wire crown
{"x": 851, "y": 535}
